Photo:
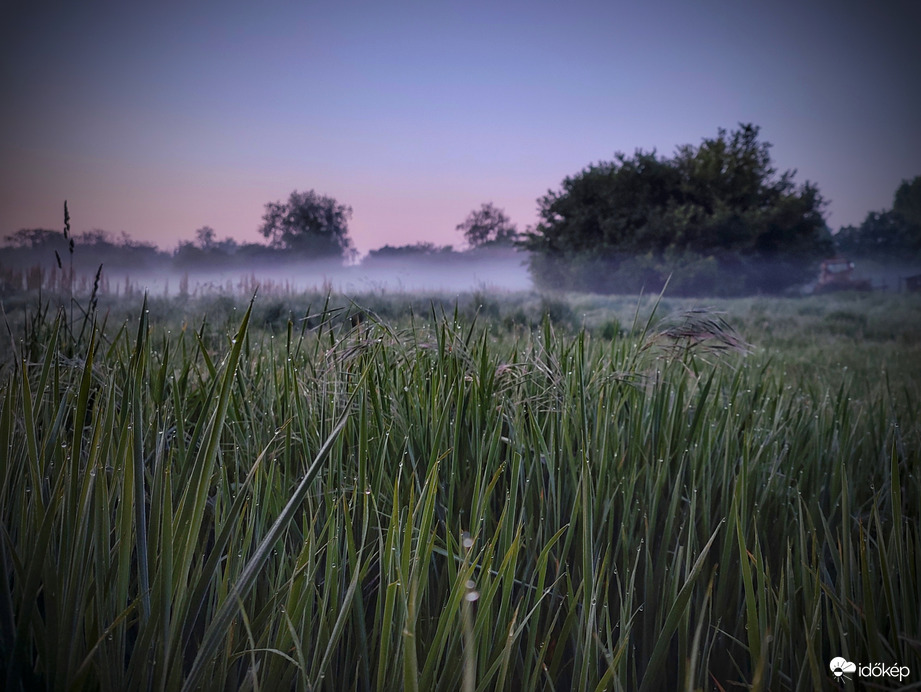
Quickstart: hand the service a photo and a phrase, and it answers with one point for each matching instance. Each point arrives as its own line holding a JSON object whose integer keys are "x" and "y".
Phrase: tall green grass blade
{"x": 217, "y": 628}
{"x": 655, "y": 668}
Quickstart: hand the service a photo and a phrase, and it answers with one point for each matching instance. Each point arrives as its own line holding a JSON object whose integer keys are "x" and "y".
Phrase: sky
{"x": 158, "y": 118}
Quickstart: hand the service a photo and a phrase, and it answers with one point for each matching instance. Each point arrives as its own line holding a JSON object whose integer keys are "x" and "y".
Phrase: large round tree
{"x": 488, "y": 226}
{"x": 717, "y": 217}
{"x": 309, "y": 224}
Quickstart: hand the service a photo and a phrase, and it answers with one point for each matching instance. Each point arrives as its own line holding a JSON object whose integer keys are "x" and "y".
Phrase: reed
{"x": 437, "y": 502}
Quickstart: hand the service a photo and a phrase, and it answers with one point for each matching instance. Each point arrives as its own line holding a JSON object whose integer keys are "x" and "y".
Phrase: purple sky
{"x": 159, "y": 119}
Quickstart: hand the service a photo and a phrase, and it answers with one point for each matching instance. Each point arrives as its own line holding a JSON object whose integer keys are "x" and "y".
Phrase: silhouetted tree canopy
{"x": 310, "y": 224}
{"x": 87, "y": 250}
{"x": 889, "y": 234}
{"x": 421, "y": 249}
{"x": 488, "y": 225}
{"x": 716, "y": 209}
{"x": 206, "y": 251}
{"x": 34, "y": 238}
{"x": 205, "y": 237}
{"x": 907, "y": 202}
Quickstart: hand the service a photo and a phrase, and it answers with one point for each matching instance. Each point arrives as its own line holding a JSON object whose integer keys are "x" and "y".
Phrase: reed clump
{"x": 377, "y": 506}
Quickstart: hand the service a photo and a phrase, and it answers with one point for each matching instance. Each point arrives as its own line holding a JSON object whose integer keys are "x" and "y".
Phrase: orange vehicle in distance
{"x": 837, "y": 274}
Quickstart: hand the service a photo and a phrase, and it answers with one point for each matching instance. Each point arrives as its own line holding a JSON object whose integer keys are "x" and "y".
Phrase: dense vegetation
{"x": 716, "y": 217}
{"x": 519, "y": 494}
{"x": 890, "y": 234}
{"x": 488, "y": 226}
{"x": 312, "y": 225}
{"x": 712, "y": 220}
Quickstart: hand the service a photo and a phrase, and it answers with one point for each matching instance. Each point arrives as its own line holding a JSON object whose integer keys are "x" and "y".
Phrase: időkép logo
{"x": 841, "y": 668}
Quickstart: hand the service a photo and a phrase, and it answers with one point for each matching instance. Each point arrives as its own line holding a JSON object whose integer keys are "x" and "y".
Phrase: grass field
{"x": 477, "y": 492}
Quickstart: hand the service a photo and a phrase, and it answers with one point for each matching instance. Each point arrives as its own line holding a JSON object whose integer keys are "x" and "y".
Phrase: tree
{"x": 881, "y": 235}
{"x": 34, "y": 238}
{"x": 415, "y": 250}
{"x": 205, "y": 237}
{"x": 309, "y": 224}
{"x": 716, "y": 209}
{"x": 907, "y": 202}
{"x": 889, "y": 234}
{"x": 488, "y": 225}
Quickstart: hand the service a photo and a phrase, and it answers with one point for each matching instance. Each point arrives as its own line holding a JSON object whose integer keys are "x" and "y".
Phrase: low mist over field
{"x": 502, "y": 271}
{"x": 507, "y": 273}
{"x": 155, "y": 273}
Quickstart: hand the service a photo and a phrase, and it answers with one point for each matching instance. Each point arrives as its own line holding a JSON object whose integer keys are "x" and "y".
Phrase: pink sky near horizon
{"x": 157, "y": 120}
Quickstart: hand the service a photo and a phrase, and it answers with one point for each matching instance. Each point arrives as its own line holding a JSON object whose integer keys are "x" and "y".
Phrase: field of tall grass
{"x": 517, "y": 493}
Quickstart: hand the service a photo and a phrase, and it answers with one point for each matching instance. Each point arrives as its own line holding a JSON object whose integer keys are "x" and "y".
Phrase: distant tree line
{"x": 888, "y": 235}
{"x": 307, "y": 226}
{"x": 93, "y": 247}
{"x": 713, "y": 219}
